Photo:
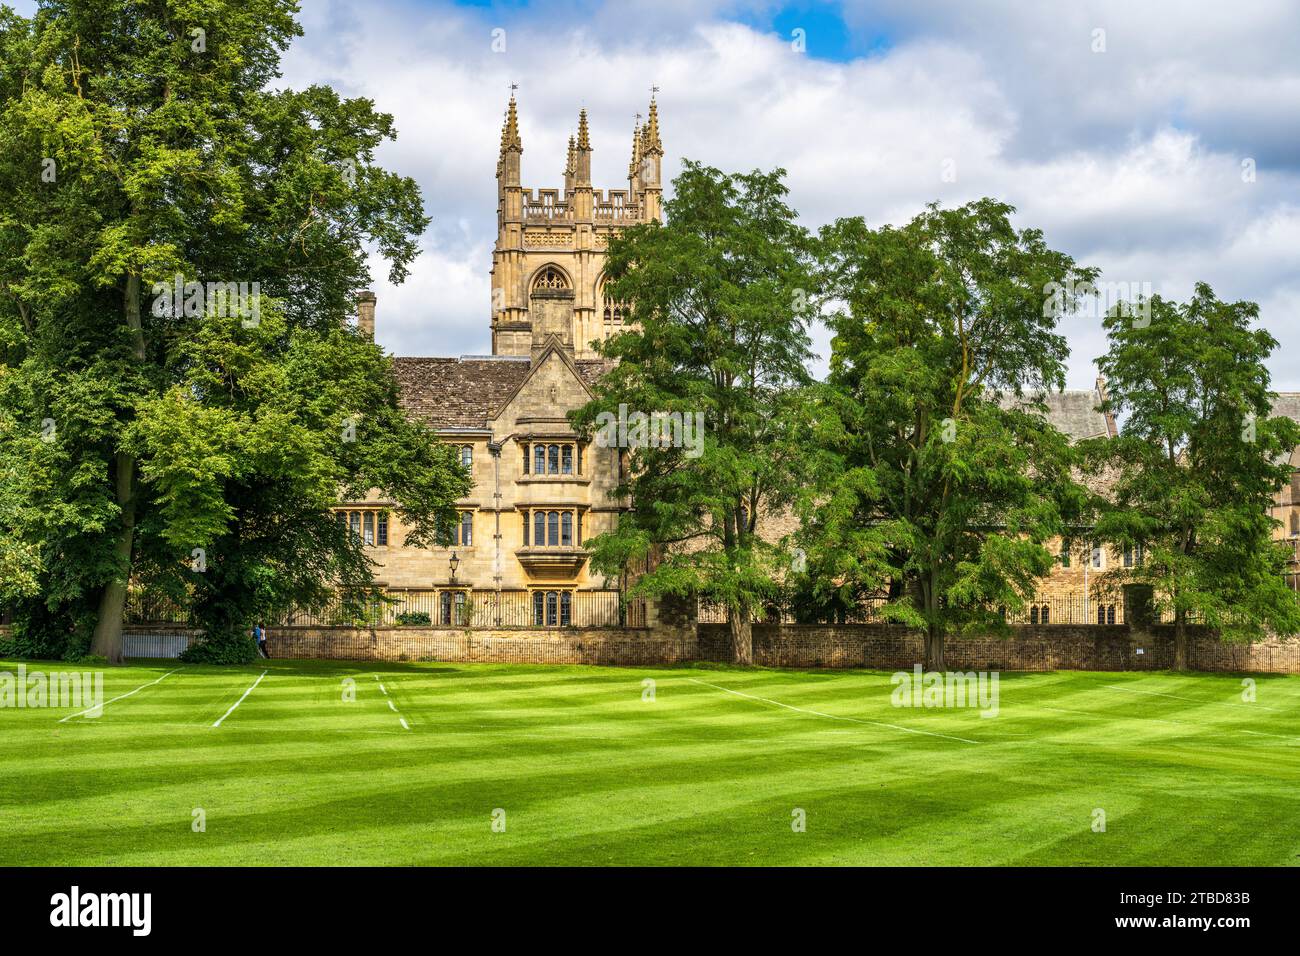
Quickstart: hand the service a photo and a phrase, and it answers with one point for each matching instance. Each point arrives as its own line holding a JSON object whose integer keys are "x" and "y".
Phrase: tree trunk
{"x": 1180, "y": 641}
{"x": 928, "y": 595}
{"x": 934, "y": 660}
{"x": 742, "y": 636}
{"x": 107, "y": 639}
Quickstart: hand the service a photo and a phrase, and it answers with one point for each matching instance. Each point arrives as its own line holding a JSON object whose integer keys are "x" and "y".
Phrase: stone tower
{"x": 550, "y": 250}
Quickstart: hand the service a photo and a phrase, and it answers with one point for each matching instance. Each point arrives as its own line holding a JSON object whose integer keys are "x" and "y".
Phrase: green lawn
{"x": 589, "y": 772}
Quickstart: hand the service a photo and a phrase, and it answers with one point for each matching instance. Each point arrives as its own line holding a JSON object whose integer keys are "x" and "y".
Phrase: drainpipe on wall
{"x": 494, "y": 448}
{"x": 1087, "y": 565}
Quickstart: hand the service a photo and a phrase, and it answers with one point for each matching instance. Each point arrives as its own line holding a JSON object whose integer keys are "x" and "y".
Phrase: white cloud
{"x": 1129, "y": 160}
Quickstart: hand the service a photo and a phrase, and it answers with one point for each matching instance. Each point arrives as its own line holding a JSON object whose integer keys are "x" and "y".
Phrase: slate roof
{"x": 1073, "y": 411}
{"x": 467, "y": 392}
{"x": 1287, "y": 404}
{"x": 457, "y": 392}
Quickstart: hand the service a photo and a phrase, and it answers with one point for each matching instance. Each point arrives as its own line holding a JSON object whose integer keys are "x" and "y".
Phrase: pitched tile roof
{"x": 466, "y": 392}
{"x": 592, "y": 369}
{"x": 1074, "y": 411}
{"x": 457, "y": 392}
{"x": 1287, "y": 404}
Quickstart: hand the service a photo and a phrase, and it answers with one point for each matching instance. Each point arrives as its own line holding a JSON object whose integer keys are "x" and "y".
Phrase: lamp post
{"x": 454, "y": 563}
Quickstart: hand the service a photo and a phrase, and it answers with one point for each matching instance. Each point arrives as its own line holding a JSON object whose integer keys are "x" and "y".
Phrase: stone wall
{"x": 504, "y": 646}
{"x": 873, "y": 646}
{"x": 1025, "y": 649}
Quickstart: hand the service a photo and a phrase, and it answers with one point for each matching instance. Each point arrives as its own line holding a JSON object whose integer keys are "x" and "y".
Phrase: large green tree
{"x": 937, "y": 479}
{"x": 142, "y": 140}
{"x": 720, "y": 296}
{"x": 1196, "y": 466}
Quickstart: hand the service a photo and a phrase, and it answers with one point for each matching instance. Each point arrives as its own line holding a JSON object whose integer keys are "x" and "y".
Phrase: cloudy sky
{"x": 1125, "y": 130}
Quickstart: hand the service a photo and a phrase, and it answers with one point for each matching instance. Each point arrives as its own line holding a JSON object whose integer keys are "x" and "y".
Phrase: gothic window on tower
{"x": 614, "y": 313}
{"x": 550, "y": 278}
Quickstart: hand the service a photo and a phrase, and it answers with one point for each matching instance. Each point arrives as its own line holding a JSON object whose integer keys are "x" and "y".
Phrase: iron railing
{"x": 434, "y": 607}
{"x": 1076, "y": 609}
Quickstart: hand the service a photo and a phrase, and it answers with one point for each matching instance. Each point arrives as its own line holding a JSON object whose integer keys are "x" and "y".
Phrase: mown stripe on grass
{"x": 1193, "y": 700}
{"x": 818, "y": 713}
{"x": 100, "y": 707}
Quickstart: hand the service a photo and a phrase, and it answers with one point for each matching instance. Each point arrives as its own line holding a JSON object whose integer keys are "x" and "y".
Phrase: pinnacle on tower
{"x": 636, "y": 148}
{"x": 650, "y": 132}
{"x": 584, "y": 140}
{"x": 582, "y": 156}
{"x": 510, "y": 130}
{"x": 511, "y": 147}
{"x": 570, "y": 166}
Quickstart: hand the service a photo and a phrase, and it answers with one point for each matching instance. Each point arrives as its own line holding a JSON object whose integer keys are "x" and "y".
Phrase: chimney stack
{"x": 366, "y": 314}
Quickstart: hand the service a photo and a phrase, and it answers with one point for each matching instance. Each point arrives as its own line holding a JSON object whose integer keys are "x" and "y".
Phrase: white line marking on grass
{"x": 1194, "y": 700}
{"x": 392, "y": 706}
{"x": 818, "y": 713}
{"x": 100, "y": 707}
{"x": 240, "y": 701}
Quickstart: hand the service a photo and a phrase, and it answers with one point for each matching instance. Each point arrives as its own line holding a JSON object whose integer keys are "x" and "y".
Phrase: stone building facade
{"x": 1067, "y": 595}
{"x": 1286, "y": 506}
{"x": 515, "y": 556}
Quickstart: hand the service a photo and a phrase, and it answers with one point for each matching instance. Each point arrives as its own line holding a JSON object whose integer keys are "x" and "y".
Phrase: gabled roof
{"x": 469, "y": 391}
